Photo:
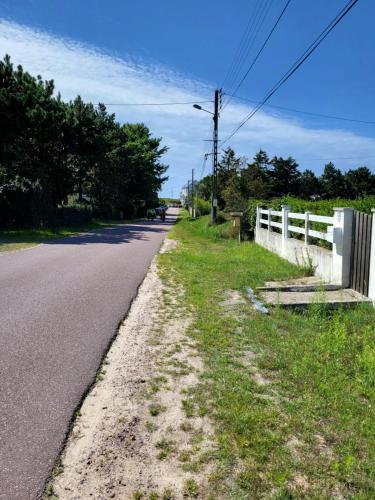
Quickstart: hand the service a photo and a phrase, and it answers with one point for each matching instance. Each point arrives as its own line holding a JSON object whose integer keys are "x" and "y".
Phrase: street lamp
{"x": 196, "y": 106}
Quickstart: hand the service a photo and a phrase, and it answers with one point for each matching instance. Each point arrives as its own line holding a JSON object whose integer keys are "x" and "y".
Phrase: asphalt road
{"x": 60, "y": 305}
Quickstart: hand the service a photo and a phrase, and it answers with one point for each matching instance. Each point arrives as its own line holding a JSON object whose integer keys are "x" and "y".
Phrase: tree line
{"x": 55, "y": 153}
{"x": 265, "y": 178}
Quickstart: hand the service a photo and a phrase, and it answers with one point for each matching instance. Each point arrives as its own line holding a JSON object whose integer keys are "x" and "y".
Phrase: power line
{"x": 313, "y": 46}
{"x": 259, "y": 52}
{"x": 333, "y": 117}
{"x": 257, "y": 27}
{"x": 248, "y": 39}
{"x": 249, "y": 26}
{"x": 152, "y": 103}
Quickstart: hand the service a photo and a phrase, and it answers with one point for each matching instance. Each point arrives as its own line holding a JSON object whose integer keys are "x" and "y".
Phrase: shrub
{"x": 204, "y": 207}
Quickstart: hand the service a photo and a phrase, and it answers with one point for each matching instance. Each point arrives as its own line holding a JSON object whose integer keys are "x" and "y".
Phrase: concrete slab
{"x": 306, "y": 284}
{"x": 333, "y": 298}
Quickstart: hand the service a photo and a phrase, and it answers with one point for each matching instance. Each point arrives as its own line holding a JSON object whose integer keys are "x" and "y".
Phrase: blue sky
{"x": 147, "y": 51}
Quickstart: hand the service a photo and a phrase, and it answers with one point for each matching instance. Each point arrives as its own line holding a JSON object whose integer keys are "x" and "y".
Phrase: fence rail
{"x": 286, "y": 216}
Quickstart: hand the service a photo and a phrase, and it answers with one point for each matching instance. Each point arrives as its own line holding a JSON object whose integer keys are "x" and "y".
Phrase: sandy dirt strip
{"x": 137, "y": 434}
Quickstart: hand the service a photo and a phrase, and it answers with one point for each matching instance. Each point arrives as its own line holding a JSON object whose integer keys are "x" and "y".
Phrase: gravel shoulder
{"x": 137, "y": 434}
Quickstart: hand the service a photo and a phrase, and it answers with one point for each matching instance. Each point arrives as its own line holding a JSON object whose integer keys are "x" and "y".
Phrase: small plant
{"x": 151, "y": 427}
{"x": 137, "y": 495}
{"x": 155, "y": 409}
{"x": 191, "y": 467}
{"x": 153, "y": 495}
{"x": 188, "y": 407}
{"x": 50, "y": 493}
{"x": 166, "y": 447}
{"x": 184, "y": 456}
{"x": 78, "y": 413}
{"x": 59, "y": 468}
{"x": 168, "y": 494}
{"x": 191, "y": 489}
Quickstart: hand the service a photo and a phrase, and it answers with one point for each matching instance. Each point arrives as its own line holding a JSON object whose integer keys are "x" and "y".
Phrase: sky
{"x": 121, "y": 52}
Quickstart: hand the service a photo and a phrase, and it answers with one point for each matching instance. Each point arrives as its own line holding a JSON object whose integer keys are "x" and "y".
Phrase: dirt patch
{"x": 169, "y": 245}
{"x": 138, "y": 432}
{"x": 232, "y": 298}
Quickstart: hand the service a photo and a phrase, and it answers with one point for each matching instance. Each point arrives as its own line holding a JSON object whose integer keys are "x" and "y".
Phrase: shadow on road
{"x": 123, "y": 233}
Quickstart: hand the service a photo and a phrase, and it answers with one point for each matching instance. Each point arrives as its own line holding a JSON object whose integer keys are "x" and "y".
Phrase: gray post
{"x": 307, "y": 227}
{"x": 269, "y": 219}
{"x": 257, "y": 222}
{"x": 285, "y": 209}
{"x": 342, "y": 246}
{"x": 371, "y": 284}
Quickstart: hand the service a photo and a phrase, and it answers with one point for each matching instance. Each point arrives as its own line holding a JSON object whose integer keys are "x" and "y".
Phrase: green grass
{"x": 310, "y": 432}
{"x": 17, "y": 239}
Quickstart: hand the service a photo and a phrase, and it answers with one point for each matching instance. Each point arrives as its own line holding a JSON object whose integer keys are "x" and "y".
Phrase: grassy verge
{"x": 292, "y": 394}
{"x": 16, "y": 239}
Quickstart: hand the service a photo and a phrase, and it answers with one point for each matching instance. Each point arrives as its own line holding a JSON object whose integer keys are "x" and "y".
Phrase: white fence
{"x": 306, "y": 230}
{"x": 332, "y": 265}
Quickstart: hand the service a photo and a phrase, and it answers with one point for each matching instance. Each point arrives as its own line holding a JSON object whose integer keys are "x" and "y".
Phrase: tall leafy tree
{"x": 50, "y": 150}
{"x": 359, "y": 182}
{"x": 284, "y": 176}
{"x": 310, "y": 185}
{"x": 255, "y": 178}
{"x": 333, "y": 182}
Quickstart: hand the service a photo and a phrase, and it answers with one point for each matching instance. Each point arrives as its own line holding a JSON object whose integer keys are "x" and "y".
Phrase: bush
{"x": 204, "y": 207}
{"x": 69, "y": 216}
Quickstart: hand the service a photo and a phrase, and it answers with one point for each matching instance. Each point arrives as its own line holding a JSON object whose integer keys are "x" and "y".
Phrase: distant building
{"x": 184, "y": 195}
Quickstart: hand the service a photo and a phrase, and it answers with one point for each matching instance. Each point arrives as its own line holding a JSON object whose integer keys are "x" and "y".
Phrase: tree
{"x": 50, "y": 150}
{"x": 309, "y": 185}
{"x": 227, "y": 167}
{"x": 255, "y": 178}
{"x": 359, "y": 182}
{"x": 284, "y": 176}
{"x": 333, "y": 182}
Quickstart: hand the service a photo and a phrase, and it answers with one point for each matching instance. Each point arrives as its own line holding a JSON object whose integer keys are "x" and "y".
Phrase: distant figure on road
{"x": 162, "y": 214}
{"x": 151, "y": 214}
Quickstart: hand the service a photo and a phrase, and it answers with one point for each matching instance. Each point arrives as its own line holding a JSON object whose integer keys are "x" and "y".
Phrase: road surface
{"x": 60, "y": 305}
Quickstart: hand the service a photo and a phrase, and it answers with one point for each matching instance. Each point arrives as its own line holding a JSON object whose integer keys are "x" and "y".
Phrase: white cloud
{"x": 100, "y": 77}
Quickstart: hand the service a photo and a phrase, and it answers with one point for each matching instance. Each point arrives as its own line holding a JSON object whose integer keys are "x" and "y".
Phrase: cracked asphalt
{"x": 60, "y": 306}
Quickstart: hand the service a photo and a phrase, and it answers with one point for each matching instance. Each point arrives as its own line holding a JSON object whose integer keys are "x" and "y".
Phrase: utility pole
{"x": 192, "y": 194}
{"x": 214, "y": 163}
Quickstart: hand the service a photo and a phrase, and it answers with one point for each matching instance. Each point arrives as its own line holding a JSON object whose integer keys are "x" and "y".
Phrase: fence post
{"x": 371, "y": 281}
{"x": 269, "y": 219}
{"x": 342, "y": 245}
{"x": 285, "y": 209}
{"x": 257, "y": 222}
{"x": 307, "y": 227}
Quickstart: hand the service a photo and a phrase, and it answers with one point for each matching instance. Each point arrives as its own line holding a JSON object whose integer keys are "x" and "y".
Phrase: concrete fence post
{"x": 285, "y": 209}
{"x": 258, "y": 216}
{"x": 371, "y": 281}
{"x": 342, "y": 245}
{"x": 269, "y": 219}
{"x": 307, "y": 227}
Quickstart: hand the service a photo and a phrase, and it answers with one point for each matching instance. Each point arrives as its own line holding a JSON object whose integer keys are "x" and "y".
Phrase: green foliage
{"x": 276, "y": 181}
{"x": 51, "y": 151}
{"x": 204, "y": 207}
